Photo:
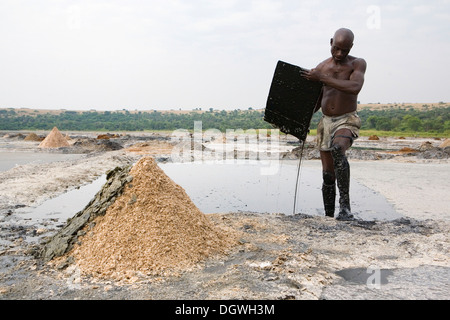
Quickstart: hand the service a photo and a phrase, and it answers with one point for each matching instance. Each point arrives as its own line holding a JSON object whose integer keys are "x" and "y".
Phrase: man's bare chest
{"x": 338, "y": 71}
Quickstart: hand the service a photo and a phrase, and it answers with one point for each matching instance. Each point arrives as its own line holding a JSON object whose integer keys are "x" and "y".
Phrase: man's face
{"x": 340, "y": 49}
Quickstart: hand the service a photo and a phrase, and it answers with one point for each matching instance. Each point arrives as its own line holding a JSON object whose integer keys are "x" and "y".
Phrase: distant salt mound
{"x": 33, "y": 137}
{"x": 153, "y": 228}
{"x": 445, "y": 144}
{"x": 54, "y": 139}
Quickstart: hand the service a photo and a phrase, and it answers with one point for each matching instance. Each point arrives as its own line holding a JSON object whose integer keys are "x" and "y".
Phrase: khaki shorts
{"x": 329, "y": 125}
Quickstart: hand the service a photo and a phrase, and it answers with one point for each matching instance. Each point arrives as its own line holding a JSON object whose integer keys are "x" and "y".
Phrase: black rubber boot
{"x": 329, "y": 193}
{"x": 342, "y": 171}
{"x": 329, "y": 198}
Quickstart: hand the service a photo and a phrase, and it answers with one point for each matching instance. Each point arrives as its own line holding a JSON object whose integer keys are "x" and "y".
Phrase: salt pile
{"x": 152, "y": 228}
{"x": 33, "y": 137}
{"x": 445, "y": 144}
{"x": 54, "y": 139}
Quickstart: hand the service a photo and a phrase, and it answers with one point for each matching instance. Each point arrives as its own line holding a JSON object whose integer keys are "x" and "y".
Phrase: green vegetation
{"x": 408, "y": 121}
{"x": 427, "y": 122}
{"x": 136, "y": 121}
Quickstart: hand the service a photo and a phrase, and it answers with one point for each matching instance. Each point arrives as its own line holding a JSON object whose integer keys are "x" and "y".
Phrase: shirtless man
{"x": 343, "y": 78}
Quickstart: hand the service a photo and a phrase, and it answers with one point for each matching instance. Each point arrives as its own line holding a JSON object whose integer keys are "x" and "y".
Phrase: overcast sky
{"x": 171, "y": 54}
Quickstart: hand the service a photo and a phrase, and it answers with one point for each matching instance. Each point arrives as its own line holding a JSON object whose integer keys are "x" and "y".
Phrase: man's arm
{"x": 352, "y": 86}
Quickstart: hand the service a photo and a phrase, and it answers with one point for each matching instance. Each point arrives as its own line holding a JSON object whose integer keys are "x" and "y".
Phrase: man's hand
{"x": 313, "y": 74}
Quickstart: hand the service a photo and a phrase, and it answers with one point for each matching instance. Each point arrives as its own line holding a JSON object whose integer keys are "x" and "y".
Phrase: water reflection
{"x": 221, "y": 188}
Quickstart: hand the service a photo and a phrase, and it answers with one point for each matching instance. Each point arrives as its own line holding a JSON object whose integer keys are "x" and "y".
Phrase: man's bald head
{"x": 344, "y": 35}
{"x": 341, "y": 44}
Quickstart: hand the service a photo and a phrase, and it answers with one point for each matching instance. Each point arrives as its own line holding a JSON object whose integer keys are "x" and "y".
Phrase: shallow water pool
{"x": 11, "y": 159}
{"x": 217, "y": 188}
{"x": 222, "y": 188}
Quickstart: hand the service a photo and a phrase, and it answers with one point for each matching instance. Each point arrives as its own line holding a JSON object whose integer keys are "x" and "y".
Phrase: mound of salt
{"x": 33, "y": 137}
{"x": 153, "y": 228}
{"x": 445, "y": 144}
{"x": 54, "y": 139}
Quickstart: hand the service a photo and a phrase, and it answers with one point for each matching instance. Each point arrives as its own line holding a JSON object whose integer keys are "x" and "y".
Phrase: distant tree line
{"x": 435, "y": 120}
{"x": 132, "y": 121}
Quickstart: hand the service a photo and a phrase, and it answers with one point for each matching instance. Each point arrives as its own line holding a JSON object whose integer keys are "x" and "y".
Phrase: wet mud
{"x": 279, "y": 256}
